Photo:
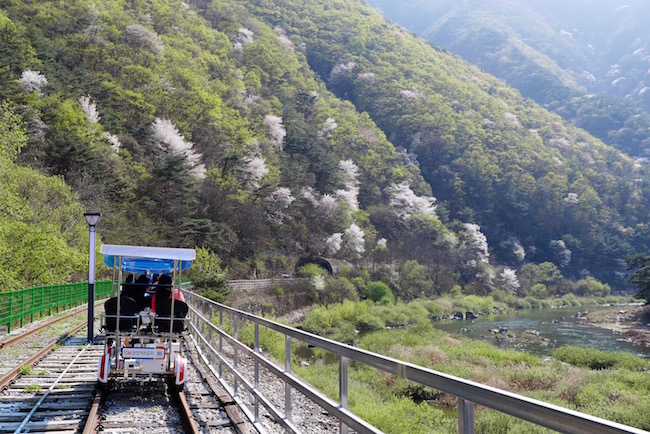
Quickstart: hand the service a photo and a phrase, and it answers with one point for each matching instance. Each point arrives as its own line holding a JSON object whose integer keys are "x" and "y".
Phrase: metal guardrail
{"x": 24, "y": 305}
{"x": 203, "y": 313}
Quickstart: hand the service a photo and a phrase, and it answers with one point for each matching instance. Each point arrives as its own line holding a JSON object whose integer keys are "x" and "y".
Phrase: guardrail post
{"x": 465, "y": 416}
{"x": 287, "y": 368}
{"x": 220, "y": 342}
{"x": 11, "y": 312}
{"x": 343, "y": 390}
{"x": 22, "y": 307}
{"x": 257, "y": 373}
{"x": 236, "y": 336}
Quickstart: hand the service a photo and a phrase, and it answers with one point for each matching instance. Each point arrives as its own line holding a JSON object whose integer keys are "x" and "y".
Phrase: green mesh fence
{"x": 23, "y": 306}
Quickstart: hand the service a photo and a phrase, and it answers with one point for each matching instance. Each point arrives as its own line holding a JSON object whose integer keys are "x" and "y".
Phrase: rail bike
{"x": 144, "y": 322}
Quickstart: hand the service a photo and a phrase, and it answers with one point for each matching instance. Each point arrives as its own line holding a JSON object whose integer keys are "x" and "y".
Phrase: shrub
{"x": 311, "y": 270}
{"x": 338, "y": 290}
{"x": 595, "y": 359}
{"x": 379, "y": 292}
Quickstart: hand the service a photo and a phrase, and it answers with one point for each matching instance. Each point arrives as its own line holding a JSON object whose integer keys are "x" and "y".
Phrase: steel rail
{"x": 48, "y": 391}
{"x": 538, "y": 412}
{"x": 92, "y": 422}
{"x": 190, "y": 425}
{"x": 9, "y": 376}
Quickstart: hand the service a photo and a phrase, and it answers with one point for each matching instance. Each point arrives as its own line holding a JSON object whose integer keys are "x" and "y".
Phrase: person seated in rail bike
{"x": 138, "y": 291}
{"x": 164, "y": 291}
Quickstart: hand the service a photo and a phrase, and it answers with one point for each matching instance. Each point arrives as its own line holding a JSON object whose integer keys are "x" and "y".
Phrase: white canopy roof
{"x": 149, "y": 252}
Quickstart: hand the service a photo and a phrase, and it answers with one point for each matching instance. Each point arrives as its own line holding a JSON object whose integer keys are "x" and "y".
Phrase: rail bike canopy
{"x": 140, "y": 259}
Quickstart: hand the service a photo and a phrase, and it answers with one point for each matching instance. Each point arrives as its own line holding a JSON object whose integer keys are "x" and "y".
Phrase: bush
{"x": 338, "y": 290}
{"x": 379, "y": 292}
{"x": 595, "y": 359}
{"x": 311, "y": 270}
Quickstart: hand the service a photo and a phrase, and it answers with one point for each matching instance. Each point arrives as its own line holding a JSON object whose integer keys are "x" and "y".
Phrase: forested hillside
{"x": 586, "y": 60}
{"x": 267, "y": 131}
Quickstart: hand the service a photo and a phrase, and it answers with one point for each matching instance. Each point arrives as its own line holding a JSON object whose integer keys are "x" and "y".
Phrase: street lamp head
{"x": 92, "y": 218}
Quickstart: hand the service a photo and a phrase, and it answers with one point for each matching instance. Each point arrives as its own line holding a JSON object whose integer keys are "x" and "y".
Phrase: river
{"x": 556, "y": 328}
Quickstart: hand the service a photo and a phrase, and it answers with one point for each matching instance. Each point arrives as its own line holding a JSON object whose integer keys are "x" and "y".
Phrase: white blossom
{"x": 284, "y": 39}
{"x": 142, "y": 36}
{"x": 509, "y": 280}
{"x": 366, "y": 76}
{"x": 382, "y": 243}
{"x": 244, "y": 35}
{"x": 169, "y": 139}
{"x": 328, "y": 126}
{"x": 333, "y": 243}
{"x": 410, "y": 93}
{"x": 351, "y": 184}
{"x": 512, "y": 118}
{"x": 33, "y": 81}
{"x": 560, "y": 252}
{"x": 280, "y": 200}
{"x": 319, "y": 282}
{"x": 254, "y": 170}
{"x": 276, "y": 130}
{"x": 89, "y": 108}
{"x": 476, "y": 242}
{"x": 326, "y": 204}
{"x": 515, "y": 248}
{"x": 354, "y": 239}
{"x": 340, "y": 71}
{"x": 349, "y": 197}
{"x": 406, "y": 203}
{"x": 571, "y": 198}
{"x": 113, "y": 140}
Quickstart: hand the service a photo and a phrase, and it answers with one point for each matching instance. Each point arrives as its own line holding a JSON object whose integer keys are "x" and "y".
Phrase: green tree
{"x": 379, "y": 292}
{"x": 641, "y": 275}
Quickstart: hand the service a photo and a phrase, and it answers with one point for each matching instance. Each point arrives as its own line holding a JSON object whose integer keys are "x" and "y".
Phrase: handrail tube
{"x": 316, "y": 395}
{"x": 261, "y": 398}
{"x": 541, "y": 413}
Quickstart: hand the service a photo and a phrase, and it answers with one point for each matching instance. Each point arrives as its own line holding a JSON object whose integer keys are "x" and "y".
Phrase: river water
{"x": 556, "y": 328}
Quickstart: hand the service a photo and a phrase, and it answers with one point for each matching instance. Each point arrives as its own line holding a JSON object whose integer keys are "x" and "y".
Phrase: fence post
{"x": 343, "y": 389}
{"x": 465, "y": 417}
{"x": 220, "y": 342}
{"x": 257, "y": 372}
{"x": 11, "y": 312}
{"x": 287, "y": 369}
{"x": 236, "y": 336}
{"x": 22, "y": 306}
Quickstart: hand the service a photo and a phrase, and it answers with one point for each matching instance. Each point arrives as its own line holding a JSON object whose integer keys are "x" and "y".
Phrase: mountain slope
{"x": 491, "y": 156}
{"x": 267, "y": 131}
{"x": 572, "y": 57}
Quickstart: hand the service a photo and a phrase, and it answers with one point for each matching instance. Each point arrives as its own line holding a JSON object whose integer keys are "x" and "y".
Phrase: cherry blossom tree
{"x": 354, "y": 239}
{"x": 406, "y": 203}
{"x": 333, "y": 243}
{"x": 33, "y": 81}
{"x": 279, "y": 200}
{"x": 508, "y": 280}
{"x": 475, "y": 243}
{"x": 169, "y": 139}
{"x": 276, "y": 130}
{"x": 254, "y": 170}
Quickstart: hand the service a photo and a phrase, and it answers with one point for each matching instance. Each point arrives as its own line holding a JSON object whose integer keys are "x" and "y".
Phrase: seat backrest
{"x": 128, "y": 308}
{"x": 164, "y": 309}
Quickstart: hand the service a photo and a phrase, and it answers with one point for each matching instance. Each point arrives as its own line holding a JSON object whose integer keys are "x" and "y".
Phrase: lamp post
{"x": 92, "y": 218}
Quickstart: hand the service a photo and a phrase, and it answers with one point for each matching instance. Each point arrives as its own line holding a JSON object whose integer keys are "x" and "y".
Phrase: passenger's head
{"x": 143, "y": 278}
{"x": 129, "y": 278}
{"x": 165, "y": 280}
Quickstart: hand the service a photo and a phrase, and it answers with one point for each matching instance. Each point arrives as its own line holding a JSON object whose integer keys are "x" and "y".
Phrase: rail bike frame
{"x": 143, "y": 349}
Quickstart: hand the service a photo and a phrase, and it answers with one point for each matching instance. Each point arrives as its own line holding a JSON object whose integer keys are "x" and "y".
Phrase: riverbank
{"x": 631, "y": 322}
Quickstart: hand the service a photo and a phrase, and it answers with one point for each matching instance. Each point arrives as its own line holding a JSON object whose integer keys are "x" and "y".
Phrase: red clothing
{"x": 177, "y": 295}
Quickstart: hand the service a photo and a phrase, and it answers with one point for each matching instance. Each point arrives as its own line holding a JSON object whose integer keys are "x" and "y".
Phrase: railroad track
{"x": 53, "y": 394}
{"x": 55, "y": 390}
{"x": 152, "y": 406}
